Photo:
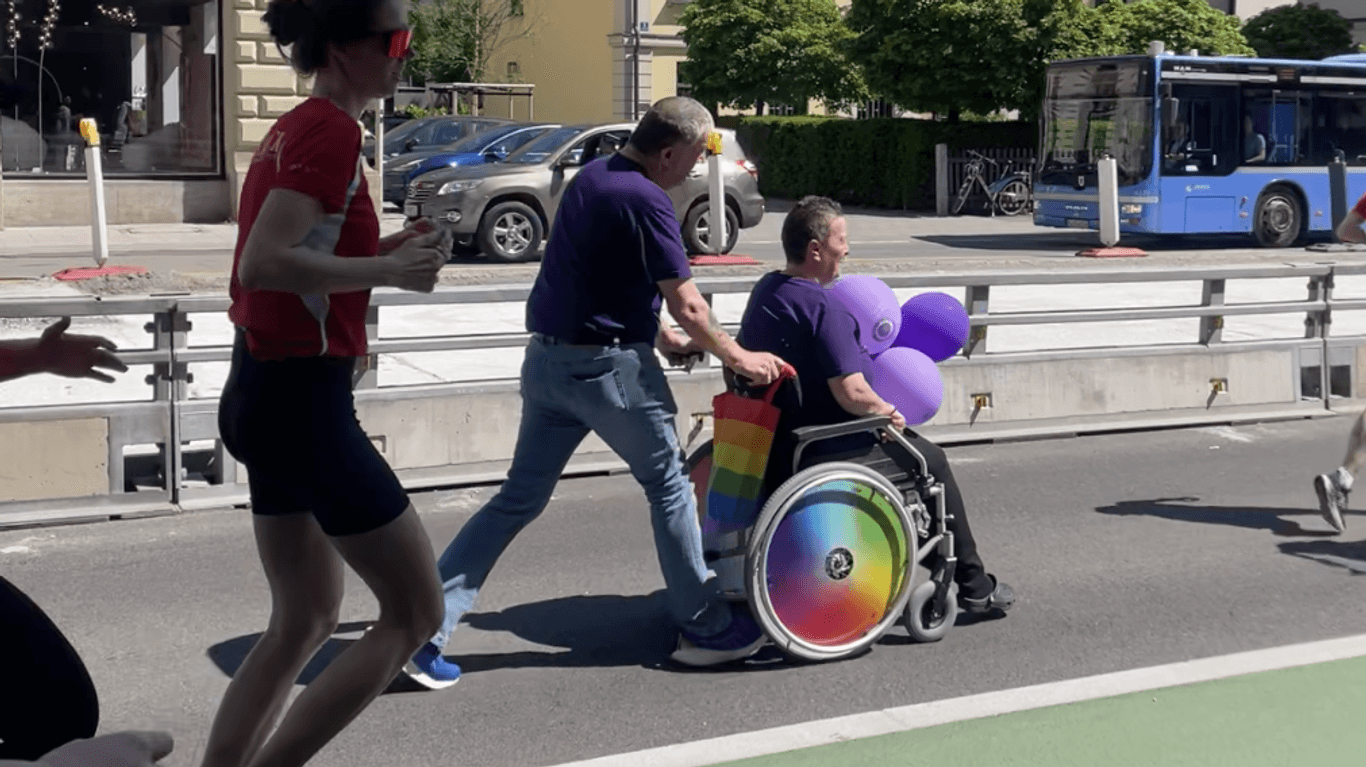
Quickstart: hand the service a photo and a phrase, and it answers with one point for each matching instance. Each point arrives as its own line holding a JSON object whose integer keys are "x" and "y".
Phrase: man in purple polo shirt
{"x": 614, "y": 257}
{"x": 789, "y": 313}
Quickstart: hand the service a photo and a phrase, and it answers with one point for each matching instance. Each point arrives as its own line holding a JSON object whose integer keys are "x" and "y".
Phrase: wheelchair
{"x": 837, "y": 554}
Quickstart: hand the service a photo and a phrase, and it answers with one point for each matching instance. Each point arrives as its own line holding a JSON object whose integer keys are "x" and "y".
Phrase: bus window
{"x": 1275, "y": 127}
{"x": 1339, "y": 125}
{"x": 1199, "y": 141}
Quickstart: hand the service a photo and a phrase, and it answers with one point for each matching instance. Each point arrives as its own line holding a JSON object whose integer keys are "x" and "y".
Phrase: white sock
{"x": 1344, "y": 478}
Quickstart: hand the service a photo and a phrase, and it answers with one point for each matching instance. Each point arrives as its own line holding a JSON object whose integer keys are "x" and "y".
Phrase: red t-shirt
{"x": 1361, "y": 206}
{"x": 314, "y": 149}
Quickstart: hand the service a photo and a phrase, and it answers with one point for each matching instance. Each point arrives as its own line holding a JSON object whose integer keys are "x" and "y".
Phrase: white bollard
{"x": 1107, "y": 171}
{"x": 95, "y": 173}
{"x": 716, "y": 196}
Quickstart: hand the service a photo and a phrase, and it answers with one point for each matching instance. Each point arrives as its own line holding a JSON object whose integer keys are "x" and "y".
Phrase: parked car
{"x": 392, "y": 122}
{"x": 430, "y": 133}
{"x": 490, "y": 144}
{"x": 506, "y": 209}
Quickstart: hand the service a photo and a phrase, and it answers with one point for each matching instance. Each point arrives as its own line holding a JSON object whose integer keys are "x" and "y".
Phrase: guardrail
{"x": 450, "y": 434}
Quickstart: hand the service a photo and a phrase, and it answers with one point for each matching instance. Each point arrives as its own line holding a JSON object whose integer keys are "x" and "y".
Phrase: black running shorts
{"x": 293, "y": 424}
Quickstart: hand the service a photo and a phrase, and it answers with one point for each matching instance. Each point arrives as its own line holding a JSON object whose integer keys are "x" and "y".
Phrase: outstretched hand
{"x": 131, "y": 748}
{"x": 76, "y": 356}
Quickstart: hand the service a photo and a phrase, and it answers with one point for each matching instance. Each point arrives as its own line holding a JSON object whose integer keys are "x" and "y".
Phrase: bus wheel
{"x": 1278, "y": 219}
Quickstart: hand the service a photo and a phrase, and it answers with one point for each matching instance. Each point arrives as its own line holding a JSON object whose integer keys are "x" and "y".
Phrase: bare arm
{"x": 854, "y": 394}
{"x": 857, "y": 397}
{"x": 1350, "y": 229}
{"x": 695, "y": 316}
{"x": 274, "y": 259}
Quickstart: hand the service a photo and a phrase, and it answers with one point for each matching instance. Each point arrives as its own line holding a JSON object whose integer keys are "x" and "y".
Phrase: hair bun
{"x": 288, "y": 20}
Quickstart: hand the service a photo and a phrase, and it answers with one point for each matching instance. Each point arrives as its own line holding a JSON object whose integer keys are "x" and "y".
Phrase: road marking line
{"x": 904, "y": 718}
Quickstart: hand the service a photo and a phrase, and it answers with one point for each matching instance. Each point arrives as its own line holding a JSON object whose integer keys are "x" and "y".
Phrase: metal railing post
{"x": 367, "y": 367}
{"x": 1212, "y": 326}
{"x": 976, "y": 303}
{"x": 1316, "y": 323}
{"x": 170, "y": 383}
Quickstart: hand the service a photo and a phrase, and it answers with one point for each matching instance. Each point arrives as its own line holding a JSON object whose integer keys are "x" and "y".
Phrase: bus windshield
{"x": 1092, "y": 109}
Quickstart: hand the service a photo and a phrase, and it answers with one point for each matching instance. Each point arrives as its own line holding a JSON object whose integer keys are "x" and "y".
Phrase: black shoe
{"x": 1001, "y": 598}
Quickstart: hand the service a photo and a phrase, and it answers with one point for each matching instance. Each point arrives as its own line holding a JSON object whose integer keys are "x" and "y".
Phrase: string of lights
{"x": 124, "y": 16}
{"x": 49, "y": 21}
{"x": 12, "y": 25}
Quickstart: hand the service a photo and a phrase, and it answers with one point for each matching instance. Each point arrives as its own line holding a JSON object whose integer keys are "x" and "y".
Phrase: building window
{"x": 514, "y": 71}
{"x": 147, "y": 73}
{"x": 515, "y": 8}
{"x": 877, "y": 108}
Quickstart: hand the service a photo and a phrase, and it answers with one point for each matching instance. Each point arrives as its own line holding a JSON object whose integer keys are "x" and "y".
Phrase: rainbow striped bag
{"x": 743, "y": 433}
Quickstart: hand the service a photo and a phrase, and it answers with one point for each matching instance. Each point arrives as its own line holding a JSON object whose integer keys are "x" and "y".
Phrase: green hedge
{"x": 880, "y": 162}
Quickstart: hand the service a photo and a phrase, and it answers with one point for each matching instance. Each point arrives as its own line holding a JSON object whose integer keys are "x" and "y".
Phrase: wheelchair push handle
{"x": 742, "y": 384}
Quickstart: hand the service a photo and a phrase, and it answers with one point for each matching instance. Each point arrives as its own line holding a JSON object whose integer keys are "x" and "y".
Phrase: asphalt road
{"x": 1125, "y": 550}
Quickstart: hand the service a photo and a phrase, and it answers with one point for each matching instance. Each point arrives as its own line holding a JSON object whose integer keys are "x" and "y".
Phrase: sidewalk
{"x": 132, "y": 238}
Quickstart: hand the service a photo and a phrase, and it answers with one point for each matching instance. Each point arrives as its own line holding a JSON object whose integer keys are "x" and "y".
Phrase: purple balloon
{"x": 935, "y": 324}
{"x": 910, "y": 380}
{"x": 874, "y": 307}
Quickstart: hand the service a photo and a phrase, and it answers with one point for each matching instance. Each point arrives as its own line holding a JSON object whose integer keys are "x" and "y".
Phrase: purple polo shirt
{"x": 795, "y": 319}
{"x": 615, "y": 237}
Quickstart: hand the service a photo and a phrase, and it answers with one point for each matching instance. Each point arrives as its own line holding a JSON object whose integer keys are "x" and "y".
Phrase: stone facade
{"x": 258, "y": 86}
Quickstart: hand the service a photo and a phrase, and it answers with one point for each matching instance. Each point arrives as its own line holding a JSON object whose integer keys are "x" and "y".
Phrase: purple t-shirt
{"x": 795, "y": 319}
{"x": 615, "y": 237}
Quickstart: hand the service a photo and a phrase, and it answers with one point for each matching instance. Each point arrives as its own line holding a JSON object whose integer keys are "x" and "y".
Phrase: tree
{"x": 951, "y": 56}
{"x": 454, "y": 40}
{"x": 749, "y": 53}
{"x": 1183, "y": 25}
{"x": 948, "y": 56}
{"x": 1299, "y": 32}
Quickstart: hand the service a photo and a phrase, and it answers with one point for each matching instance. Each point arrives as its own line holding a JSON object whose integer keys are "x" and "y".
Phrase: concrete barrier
{"x": 72, "y": 462}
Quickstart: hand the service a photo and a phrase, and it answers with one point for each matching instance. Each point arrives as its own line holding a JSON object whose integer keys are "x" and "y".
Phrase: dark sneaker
{"x": 430, "y": 670}
{"x": 1332, "y": 500}
{"x": 1001, "y": 598}
{"x": 740, "y": 640}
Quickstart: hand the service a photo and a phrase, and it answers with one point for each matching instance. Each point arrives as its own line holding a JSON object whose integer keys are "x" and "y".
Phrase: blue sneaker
{"x": 430, "y": 670}
{"x": 740, "y": 640}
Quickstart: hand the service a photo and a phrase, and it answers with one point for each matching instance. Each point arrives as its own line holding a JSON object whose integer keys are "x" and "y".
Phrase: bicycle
{"x": 1010, "y": 193}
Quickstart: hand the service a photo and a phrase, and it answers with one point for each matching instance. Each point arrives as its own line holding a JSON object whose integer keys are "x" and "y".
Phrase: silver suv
{"x": 506, "y": 209}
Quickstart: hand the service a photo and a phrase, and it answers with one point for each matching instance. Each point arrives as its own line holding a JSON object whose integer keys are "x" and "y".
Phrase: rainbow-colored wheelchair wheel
{"x": 829, "y": 561}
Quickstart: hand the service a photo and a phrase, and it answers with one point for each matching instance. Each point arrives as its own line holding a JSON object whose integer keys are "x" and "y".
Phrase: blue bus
{"x": 1202, "y": 144}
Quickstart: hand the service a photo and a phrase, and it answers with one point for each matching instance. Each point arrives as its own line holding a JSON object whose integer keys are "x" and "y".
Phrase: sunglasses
{"x": 398, "y": 42}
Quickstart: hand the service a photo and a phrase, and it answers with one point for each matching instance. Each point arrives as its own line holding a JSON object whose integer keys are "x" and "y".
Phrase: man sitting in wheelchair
{"x": 789, "y": 315}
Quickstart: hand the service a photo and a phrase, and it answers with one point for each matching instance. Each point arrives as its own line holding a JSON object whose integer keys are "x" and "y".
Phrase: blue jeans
{"x": 619, "y": 393}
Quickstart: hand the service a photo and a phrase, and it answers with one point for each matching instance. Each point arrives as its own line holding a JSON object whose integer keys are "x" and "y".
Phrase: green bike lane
{"x": 1309, "y": 715}
{"x": 1283, "y": 706}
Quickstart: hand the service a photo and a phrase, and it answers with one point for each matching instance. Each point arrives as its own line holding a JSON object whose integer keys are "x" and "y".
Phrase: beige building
{"x": 183, "y": 91}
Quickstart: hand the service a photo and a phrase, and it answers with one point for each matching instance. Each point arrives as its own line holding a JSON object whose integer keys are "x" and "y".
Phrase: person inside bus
{"x": 1254, "y": 143}
{"x": 1178, "y": 146}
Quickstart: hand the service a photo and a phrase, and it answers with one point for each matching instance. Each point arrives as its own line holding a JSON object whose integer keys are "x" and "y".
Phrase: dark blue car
{"x": 493, "y": 144}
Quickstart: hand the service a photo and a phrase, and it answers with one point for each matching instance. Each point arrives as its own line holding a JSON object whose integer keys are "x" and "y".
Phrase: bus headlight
{"x": 1131, "y": 209}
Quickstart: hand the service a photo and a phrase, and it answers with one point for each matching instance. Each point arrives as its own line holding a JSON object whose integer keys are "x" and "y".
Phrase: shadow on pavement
{"x": 229, "y": 655}
{"x": 774, "y": 206}
{"x": 1184, "y": 510}
{"x": 1349, "y": 555}
{"x": 599, "y": 631}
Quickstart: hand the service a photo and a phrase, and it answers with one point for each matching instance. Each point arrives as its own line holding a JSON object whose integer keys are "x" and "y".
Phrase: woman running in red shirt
{"x": 308, "y": 253}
